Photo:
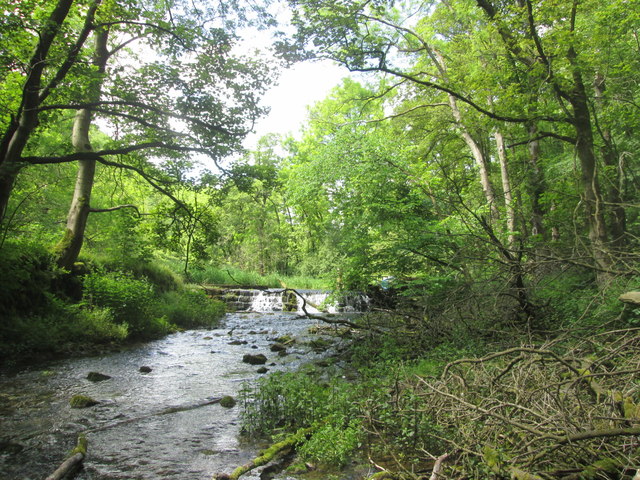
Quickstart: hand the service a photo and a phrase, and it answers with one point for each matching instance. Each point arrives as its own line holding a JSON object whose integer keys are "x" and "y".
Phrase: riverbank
{"x": 561, "y": 404}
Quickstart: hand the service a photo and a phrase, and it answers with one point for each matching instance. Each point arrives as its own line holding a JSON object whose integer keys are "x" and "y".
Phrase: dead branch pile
{"x": 568, "y": 409}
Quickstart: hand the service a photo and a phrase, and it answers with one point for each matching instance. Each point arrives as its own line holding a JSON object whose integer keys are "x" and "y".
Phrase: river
{"x": 130, "y": 433}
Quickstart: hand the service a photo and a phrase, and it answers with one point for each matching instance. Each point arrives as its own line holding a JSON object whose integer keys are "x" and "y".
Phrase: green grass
{"x": 233, "y": 276}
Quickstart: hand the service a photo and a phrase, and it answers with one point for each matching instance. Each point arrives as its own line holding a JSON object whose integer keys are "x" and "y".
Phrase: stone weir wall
{"x": 277, "y": 300}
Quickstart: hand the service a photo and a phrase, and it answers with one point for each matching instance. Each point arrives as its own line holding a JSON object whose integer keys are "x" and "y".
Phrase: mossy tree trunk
{"x": 69, "y": 248}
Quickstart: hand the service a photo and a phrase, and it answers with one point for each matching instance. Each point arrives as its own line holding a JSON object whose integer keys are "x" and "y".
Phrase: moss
{"x": 227, "y": 402}
{"x": 81, "y": 446}
{"x": 82, "y": 401}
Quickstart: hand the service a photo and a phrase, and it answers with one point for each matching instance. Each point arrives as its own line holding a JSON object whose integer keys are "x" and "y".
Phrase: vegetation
{"x": 478, "y": 177}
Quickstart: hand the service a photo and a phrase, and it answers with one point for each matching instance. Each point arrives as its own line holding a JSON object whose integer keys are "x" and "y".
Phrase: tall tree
{"x": 173, "y": 88}
{"x": 497, "y": 54}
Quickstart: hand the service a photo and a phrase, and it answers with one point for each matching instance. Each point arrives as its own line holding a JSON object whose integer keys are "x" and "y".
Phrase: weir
{"x": 281, "y": 300}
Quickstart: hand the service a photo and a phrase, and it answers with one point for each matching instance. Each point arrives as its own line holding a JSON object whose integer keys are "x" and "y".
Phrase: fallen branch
{"x": 72, "y": 462}
{"x": 437, "y": 467}
{"x": 268, "y": 455}
{"x": 343, "y": 322}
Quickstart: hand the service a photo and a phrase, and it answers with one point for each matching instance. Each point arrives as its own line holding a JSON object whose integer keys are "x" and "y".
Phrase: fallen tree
{"x": 72, "y": 462}
{"x": 270, "y": 454}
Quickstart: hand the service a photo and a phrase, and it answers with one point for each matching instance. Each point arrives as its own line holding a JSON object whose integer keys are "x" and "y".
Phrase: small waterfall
{"x": 267, "y": 301}
{"x": 316, "y": 302}
{"x": 279, "y": 300}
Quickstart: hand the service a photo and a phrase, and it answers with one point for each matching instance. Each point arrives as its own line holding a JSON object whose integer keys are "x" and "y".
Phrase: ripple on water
{"x": 127, "y": 438}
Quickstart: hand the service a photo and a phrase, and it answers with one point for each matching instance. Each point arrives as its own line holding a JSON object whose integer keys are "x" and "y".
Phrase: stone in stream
{"x": 262, "y": 370}
{"x": 97, "y": 377}
{"x": 258, "y": 359}
{"x": 227, "y": 402}
{"x": 82, "y": 401}
{"x": 145, "y": 369}
{"x": 238, "y": 342}
{"x": 278, "y": 347}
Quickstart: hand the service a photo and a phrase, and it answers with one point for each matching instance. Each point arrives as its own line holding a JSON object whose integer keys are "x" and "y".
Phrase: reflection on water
{"x": 128, "y": 438}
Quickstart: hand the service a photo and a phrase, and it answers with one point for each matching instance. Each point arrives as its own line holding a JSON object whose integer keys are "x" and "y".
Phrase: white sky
{"x": 299, "y": 87}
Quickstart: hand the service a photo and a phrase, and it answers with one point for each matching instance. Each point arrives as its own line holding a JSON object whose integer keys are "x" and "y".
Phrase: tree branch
{"x": 113, "y": 209}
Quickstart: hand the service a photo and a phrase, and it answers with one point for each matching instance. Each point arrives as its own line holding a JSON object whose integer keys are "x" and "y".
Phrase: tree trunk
{"x": 506, "y": 187}
{"x": 480, "y": 159}
{"x": 69, "y": 248}
{"x": 591, "y": 194}
{"x": 536, "y": 182}
{"x": 617, "y": 216}
{"x": 474, "y": 146}
{"x": 20, "y": 129}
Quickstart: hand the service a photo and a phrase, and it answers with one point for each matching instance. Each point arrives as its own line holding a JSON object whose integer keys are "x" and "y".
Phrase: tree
{"x": 182, "y": 91}
{"x": 543, "y": 48}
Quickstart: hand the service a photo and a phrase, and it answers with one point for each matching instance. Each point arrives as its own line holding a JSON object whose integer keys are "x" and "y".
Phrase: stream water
{"x": 130, "y": 433}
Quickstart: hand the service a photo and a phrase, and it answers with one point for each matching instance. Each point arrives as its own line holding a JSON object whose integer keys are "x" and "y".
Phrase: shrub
{"x": 97, "y": 325}
{"x": 26, "y": 272}
{"x": 333, "y": 444}
{"x": 129, "y": 299}
{"x": 190, "y": 308}
{"x": 162, "y": 278}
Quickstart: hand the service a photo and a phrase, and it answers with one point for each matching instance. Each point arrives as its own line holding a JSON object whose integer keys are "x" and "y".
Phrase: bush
{"x": 26, "y": 272}
{"x": 97, "y": 325}
{"x": 129, "y": 299}
{"x": 190, "y": 308}
{"x": 333, "y": 444}
{"x": 162, "y": 278}
{"x": 295, "y": 400}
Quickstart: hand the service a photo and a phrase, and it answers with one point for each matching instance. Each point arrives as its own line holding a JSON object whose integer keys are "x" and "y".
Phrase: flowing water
{"x": 134, "y": 433}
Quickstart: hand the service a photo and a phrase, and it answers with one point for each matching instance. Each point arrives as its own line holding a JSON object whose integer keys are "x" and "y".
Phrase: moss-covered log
{"x": 73, "y": 461}
{"x": 268, "y": 455}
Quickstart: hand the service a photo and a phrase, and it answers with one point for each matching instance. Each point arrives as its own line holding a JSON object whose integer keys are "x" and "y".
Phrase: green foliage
{"x": 333, "y": 444}
{"x": 291, "y": 401}
{"x": 188, "y": 308}
{"x": 233, "y": 276}
{"x": 26, "y": 273}
{"x": 129, "y": 299}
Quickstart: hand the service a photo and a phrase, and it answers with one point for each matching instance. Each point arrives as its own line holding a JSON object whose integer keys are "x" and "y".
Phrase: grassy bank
{"x": 214, "y": 275}
{"x": 46, "y": 311}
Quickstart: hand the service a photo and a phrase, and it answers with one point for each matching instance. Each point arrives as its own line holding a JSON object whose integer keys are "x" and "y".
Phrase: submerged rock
{"x": 238, "y": 342}
{"x": 258, "y": 359}
{"x": 82, "y": 401}
{"x": 145, "y": 369}
{"x": 262, "y": 370}
{"x": 10, "y": 448}
{"x": 227, "y": 401}
{"x": 278, "y": 347}
{"x": 632, "y": 298}
{"x": 97, "y": 377}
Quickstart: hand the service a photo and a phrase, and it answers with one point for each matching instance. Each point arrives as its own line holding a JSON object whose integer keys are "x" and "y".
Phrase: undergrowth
{"x": 46, "y": 311}
{"x": 516, "y": 403}
{"x": 233, "y": 276}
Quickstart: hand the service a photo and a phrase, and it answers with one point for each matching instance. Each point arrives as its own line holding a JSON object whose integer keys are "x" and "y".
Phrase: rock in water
{"x": 278, "y": 347}
{"x": 258, "y": 359}
{"x": 145, "y": 369}
{"x": 97, "y": 377}
{"x": 632, "y": 298}
{"x": 82, "y": 401}
{"x": 227, "y": 402}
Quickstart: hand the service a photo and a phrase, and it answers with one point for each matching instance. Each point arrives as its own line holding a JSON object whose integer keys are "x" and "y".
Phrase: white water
{"x": 271, "y": 301}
